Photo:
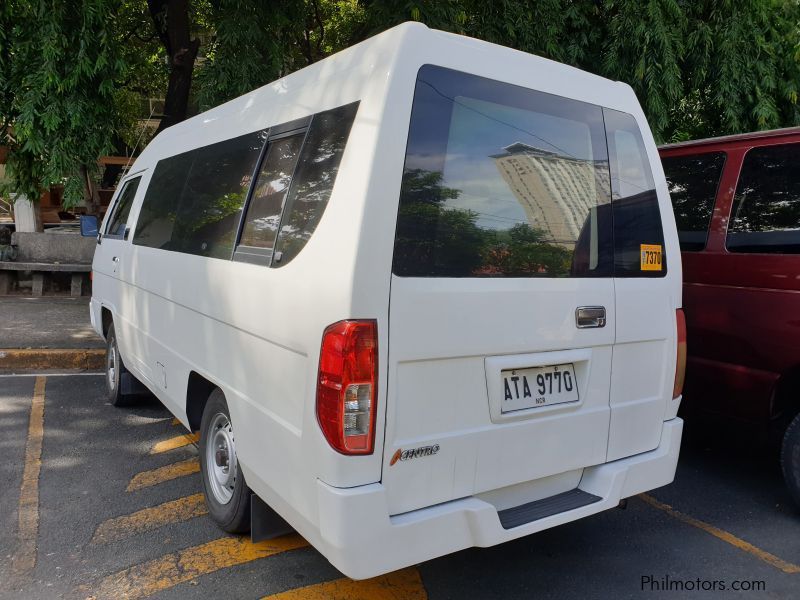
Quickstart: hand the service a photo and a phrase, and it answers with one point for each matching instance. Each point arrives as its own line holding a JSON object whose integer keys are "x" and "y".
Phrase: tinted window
{"x": 313, "y": 180}
{"x": 501, "y": 181}
{"x": 160, "y": 205}
{"x": 264, "y": 210}
{"x": 766, "y": 208}
{"x": 194, "y": 201}
{"x": 119, "y": 218}
{"x": 638, "y": 235}
{"x": 693, "y": 182}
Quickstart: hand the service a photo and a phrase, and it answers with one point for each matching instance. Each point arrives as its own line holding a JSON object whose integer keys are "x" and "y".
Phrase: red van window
{"x": 766, "y": 209}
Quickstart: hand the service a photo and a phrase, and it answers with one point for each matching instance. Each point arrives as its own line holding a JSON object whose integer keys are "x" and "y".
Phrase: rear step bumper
{"x": 360, "y": 538}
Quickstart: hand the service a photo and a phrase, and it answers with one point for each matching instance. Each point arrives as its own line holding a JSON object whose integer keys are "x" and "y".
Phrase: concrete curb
{"x": 53, "y": 359}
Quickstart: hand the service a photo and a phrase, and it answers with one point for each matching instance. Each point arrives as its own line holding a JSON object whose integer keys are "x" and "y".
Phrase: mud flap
{"x": 265, "y": 523}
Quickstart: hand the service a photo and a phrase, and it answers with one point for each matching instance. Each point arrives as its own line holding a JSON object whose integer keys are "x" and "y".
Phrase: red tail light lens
{"x": 680, "y": 363}
{"x": 347, "y": 386}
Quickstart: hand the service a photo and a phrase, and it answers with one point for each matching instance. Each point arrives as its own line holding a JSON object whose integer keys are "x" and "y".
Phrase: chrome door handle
{"x": 590, "y": 316}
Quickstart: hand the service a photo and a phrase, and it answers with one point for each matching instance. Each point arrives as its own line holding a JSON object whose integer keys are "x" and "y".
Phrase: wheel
{"x": 115, "y": 369}
{"x": 227, "y": 495}
{"x": 790, "y": 459}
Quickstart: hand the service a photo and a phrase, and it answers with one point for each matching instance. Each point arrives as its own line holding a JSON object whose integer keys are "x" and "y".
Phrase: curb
{"x": 45, "y": 359}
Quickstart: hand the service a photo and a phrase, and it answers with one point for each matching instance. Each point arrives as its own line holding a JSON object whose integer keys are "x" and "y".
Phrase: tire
{"x": 790, "y": 459}
{"x": 226, "y": 492}
{"x": 114, "y": 371}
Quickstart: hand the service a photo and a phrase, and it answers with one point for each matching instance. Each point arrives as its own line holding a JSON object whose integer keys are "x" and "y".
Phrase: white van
{"x": 420, "y": 296}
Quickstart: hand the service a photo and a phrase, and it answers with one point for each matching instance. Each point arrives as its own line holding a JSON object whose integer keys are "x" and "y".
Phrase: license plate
{"x": 538, "y": 386}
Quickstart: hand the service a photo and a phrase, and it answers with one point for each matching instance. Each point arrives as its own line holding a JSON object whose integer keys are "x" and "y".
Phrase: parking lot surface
{"x": 99, "y": 502}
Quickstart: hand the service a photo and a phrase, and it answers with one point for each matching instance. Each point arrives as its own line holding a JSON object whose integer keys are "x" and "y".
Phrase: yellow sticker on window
{"x": 650, "y": 257}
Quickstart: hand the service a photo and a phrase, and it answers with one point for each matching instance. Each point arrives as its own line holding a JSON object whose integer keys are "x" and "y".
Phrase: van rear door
{"x": 502, "y": 313}
{"x": 647, "y": 294}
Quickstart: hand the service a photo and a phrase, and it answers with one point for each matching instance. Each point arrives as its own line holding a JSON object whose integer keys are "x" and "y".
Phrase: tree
{"x": 173, "y": 26}
{"x": 58, "y": 97}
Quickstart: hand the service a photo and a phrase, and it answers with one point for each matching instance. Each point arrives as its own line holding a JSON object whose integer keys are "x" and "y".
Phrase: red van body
{"x": 742, "y": 308}
{"x": 737, "y": 207}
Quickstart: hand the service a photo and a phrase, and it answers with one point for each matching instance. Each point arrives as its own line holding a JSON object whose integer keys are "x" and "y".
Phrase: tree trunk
{"x": 90, "y": 193}
{"x": 171, "y": 21}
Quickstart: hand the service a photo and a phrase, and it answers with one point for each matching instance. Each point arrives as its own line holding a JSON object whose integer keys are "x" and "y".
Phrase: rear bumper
{"x": 359, "y": 537}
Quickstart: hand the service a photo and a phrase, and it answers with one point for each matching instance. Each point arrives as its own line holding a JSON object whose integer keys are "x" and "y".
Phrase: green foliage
{"x": 65, "y": 62}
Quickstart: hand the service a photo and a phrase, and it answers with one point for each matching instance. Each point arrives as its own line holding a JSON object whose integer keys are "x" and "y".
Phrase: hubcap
{"x": 221, "y": 459}
{"x": 111, "y": 368}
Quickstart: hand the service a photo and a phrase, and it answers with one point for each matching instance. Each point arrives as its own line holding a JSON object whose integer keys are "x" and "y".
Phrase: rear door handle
{"x": 590, "y": 316}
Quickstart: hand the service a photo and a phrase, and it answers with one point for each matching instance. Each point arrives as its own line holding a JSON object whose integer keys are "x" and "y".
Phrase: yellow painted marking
{"x": 723, "y": 535}
{"x": 176, "y": 422}
{"x": 148, "y": 519}
{"x": 24, "y": 559}
{"x": 162, "y": 474}
{"x": 170, "y": 570}
{"x": 178, "y": 441}
{"x": 400, "y": 585}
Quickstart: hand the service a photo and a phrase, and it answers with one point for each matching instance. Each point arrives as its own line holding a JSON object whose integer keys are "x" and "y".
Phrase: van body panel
{"x": 438, "y": 390}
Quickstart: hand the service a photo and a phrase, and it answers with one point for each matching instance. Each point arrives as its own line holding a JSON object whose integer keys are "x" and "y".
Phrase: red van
{"x": 737, "y": 207}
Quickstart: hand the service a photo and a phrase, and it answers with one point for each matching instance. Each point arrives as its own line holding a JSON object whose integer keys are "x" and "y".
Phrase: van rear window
{"x": 693, "y": 181}
{"x": 503, "y": 181}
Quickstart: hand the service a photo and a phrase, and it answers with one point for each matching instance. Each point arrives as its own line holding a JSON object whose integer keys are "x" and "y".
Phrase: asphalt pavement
{"x": 118, "y": 515}
{"x": 46, "y": 322}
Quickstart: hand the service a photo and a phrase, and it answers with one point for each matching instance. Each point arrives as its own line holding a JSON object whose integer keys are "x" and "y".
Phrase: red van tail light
{"x": 347, "y": 386}
{"x": 680, "y": 363}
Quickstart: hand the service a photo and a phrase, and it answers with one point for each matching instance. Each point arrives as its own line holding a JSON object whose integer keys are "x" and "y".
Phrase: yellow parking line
{"x": 400, "y": 585}
{"x": 24, "y": 559}
{"x": 170, "y": 570}
{"x": 178, "y": 441}
{"x": 175, "y": 422}
{"x": 162, "y": 474}
{"x": 148, "y": 519}
{"x": 723, "y": 535}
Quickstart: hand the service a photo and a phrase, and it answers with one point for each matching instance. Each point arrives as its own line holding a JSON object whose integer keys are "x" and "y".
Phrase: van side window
{"x": 212, "y": 200}
{"x": 264, "y": 210}
{"x": 638, "y": 234}
{"x": 194, "y": 200}
{"x": 313, "y": 180}
{"x": 766, "y": 208}
{"x": 502, "y": 181}
{"x": 122, "y": 208}
{"x": 693, "y": 181}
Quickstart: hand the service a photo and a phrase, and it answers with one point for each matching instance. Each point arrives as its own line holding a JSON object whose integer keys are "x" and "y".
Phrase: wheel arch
{"x": 786, "y": 396}
{"x": 198, "y": 390}
{"x": 106, "y": 320}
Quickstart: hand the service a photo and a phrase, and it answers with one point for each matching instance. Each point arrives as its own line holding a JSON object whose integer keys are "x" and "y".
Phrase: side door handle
{"x": 115, "y": 259}
{"x": 590, "y": 316}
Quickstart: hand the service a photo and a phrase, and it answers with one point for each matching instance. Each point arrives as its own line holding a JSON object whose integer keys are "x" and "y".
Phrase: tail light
{"x": 680, "y": 363}
{"x": 347, "y": 386}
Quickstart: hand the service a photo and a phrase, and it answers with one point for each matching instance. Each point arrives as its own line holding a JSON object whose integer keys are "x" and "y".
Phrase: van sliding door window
{"x": 194, "y": 201}
{"x": 502, "y": 181}
{"x": 313, "y": 180}
{"x": 693, "y": 181}
{"x": 766, "y": 208}
{"x": 119, "y": 218}
{"x": 264, "y": 209}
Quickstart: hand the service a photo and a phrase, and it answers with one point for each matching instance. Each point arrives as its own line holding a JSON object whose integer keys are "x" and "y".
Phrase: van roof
{"x": 342, "y": 78}
{"x": 739, "y": 137}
